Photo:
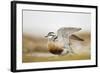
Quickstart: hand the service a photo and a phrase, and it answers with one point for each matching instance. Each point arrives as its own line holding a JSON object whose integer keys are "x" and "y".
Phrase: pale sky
{"x": 40, "y": 22}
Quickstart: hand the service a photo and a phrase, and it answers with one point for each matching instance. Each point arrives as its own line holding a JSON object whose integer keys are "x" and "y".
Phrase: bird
{"x": 59, "y": 44}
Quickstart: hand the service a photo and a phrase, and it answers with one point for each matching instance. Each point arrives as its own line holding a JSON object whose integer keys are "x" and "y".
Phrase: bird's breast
{"x": 55, "y": 48}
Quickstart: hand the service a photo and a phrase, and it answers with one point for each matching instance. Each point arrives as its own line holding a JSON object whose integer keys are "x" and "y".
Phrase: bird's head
{"x": 50, "y": 35}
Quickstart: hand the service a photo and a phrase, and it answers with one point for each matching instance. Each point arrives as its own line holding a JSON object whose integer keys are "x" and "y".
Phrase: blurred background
{"x": 37, "y": 24}
{"x": 42, "y": 22}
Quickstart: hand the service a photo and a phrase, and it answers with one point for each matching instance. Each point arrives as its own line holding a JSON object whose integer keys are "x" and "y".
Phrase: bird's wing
{"x": 76, "y": 37}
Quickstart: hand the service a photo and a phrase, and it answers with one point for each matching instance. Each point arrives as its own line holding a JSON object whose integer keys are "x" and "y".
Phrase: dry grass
{"x": 55, "y": 58}
{"x": 32, "y": 45}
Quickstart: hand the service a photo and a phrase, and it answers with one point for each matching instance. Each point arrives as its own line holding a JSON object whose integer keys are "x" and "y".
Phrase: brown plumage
{"x": 54, "y": 48}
